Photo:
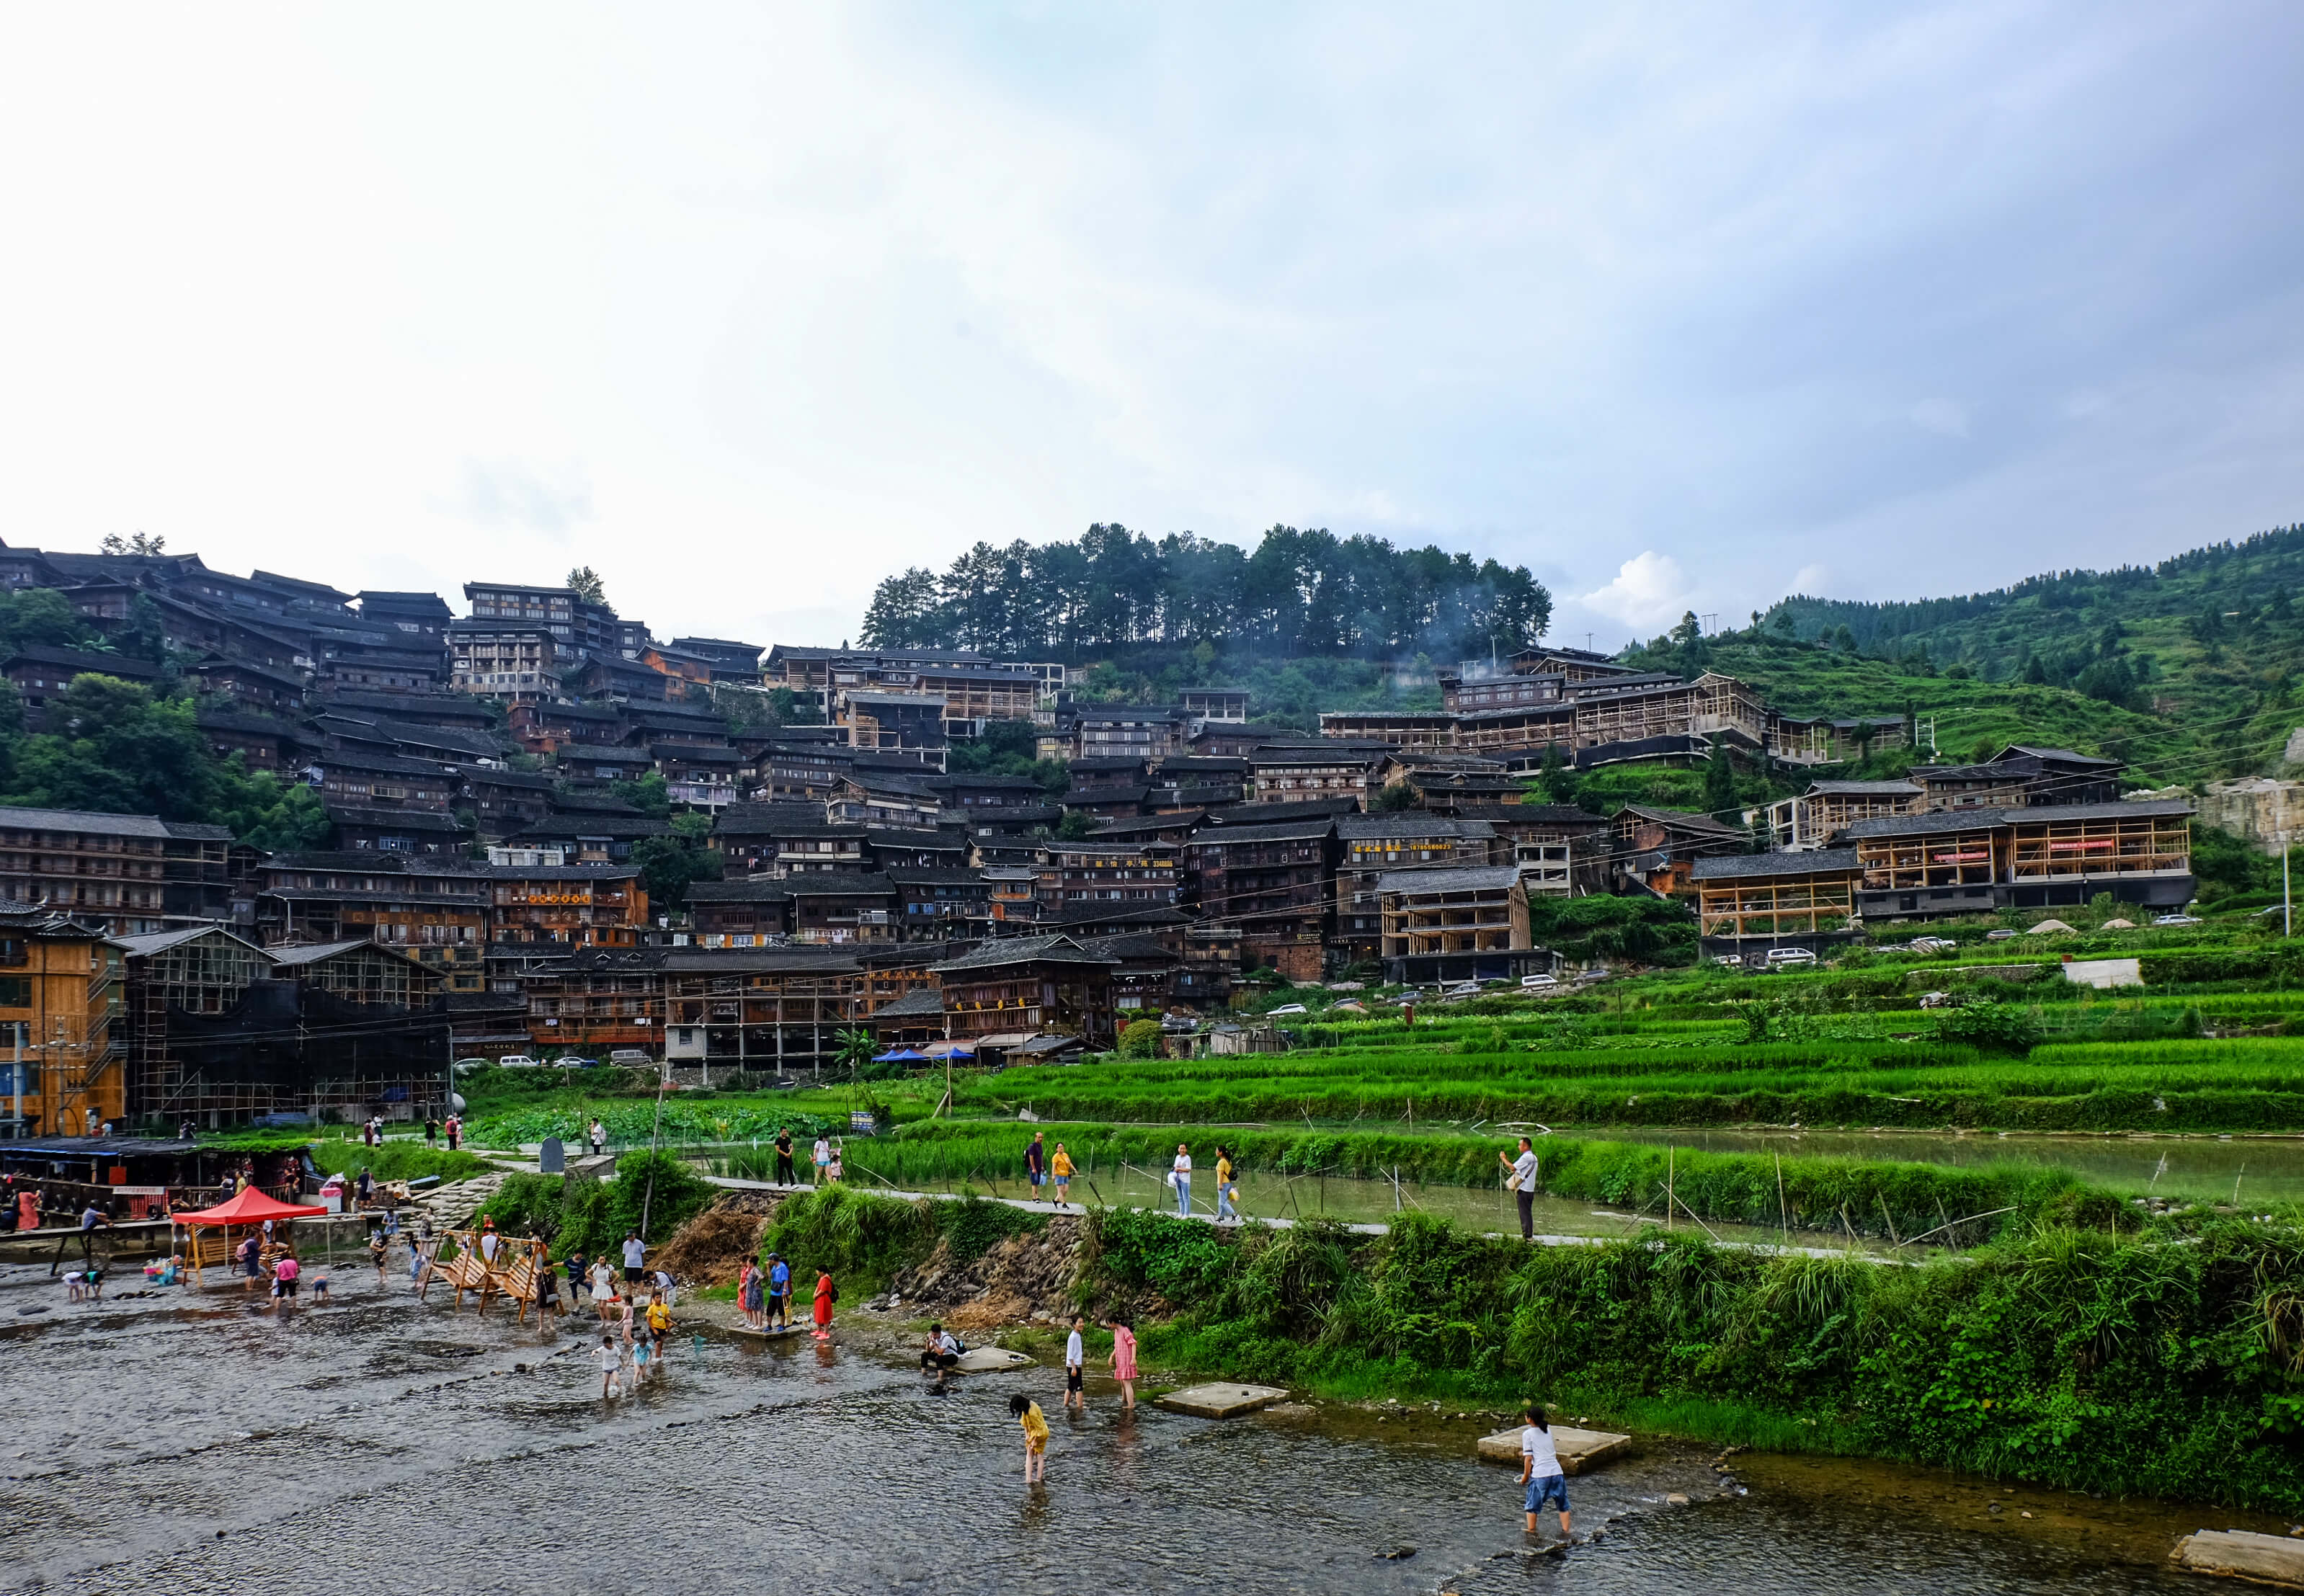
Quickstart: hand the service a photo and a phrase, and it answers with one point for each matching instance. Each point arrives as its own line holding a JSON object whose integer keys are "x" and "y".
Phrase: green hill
{"x": 2198, "y": 655}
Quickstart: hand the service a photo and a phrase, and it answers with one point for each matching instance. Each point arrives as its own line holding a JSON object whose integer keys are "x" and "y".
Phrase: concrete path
{"x": 1034, "y": 1206}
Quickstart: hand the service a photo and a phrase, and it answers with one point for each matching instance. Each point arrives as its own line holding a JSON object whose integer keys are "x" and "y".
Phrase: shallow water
{"x": 182, "y": 1443}
{"x": 2201, "y": 1168}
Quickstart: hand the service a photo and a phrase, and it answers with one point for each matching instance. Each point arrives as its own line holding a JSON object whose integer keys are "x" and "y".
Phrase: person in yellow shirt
{"x": 659, "y": 1324}
{"x": 1226, "y": 1190}
{"x": 1061, "y": 1167}
{"x": 1028, "y": 1414}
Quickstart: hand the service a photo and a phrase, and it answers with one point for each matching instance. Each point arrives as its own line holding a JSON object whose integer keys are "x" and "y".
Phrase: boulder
{"x": 1579, "y": 1450}
{"x": 1221, "y": 1401}
{"x": 2243, "y": 1554}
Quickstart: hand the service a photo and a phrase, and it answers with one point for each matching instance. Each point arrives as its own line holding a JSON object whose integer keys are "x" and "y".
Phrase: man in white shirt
{"x": 1519, "y": 1179}
{"x": 1180, "y": 1176}
{"x": 1539, "y": 1471}
{"x": 635, "y": 1255}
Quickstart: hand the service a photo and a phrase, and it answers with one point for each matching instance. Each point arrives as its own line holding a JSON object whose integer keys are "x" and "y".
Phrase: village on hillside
{"x": 500, "y": 791}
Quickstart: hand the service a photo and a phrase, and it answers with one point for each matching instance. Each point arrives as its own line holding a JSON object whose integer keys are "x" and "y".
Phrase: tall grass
{"x": 2076, "y": 1359}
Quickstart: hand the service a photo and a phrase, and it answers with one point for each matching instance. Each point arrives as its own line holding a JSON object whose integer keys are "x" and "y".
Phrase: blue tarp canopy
{"x": 899, "y": 1055}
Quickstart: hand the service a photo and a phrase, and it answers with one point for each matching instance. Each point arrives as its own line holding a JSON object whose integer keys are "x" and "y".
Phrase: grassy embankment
{"x": 2167, "y": 1362}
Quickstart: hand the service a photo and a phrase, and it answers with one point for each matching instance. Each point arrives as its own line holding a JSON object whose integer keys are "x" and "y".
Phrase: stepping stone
{"x": 2273, "y": 1559}
{"x": 1221, "y": 1401}
{"x": 990, "y": 1360}
{"x": 1579, "y": 1450}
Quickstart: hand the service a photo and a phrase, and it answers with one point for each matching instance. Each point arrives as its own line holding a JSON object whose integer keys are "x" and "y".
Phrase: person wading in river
{"x": 1539, "y": 1471}
{"x": 1519, "y": 1179}
{"x": 1028, "y": 1414}
{"x": 1076, "y": 1366}
{"x": 1123, "y": 1359}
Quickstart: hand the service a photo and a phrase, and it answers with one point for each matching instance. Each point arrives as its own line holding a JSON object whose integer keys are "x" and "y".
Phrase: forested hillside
{"x": 2208, "y": 645}
{"x": 1297, "y": 595}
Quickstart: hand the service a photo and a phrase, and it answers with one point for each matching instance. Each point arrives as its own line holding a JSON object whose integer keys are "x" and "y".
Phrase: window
{"x": 15, "y": 993}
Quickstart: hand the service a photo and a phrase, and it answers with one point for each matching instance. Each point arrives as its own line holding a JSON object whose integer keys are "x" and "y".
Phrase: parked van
{"x": 631, "y": 1057}
{"x": 1539, "y": 980}
{"x": 1778, "y": 957}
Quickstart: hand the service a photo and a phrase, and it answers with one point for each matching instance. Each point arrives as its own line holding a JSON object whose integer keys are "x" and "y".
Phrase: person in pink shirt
{"x": 1123, "y": 1359}
{"x": 284, "y": 1279}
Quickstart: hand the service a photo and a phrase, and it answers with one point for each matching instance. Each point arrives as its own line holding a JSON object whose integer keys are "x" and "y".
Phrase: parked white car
{"x": 1778, "y": 957}
{"x": 2176, "y": 920}
{"x": 517, "y": 1061}
{"x": 1288, "y": 1008}
{"x": 1539, "y": 980}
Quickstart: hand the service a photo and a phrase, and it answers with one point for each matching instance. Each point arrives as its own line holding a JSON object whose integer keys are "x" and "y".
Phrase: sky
{"x": 748, "y": 306}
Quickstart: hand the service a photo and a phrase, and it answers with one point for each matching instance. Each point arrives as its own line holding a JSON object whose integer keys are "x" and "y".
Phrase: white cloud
{"x": 1945, "y": 418}
{"x": 1812, "y": 579}
{"x": 508, "y": 493}
{"x": 817, "y": 293}
{"x": 1649, "y": 589}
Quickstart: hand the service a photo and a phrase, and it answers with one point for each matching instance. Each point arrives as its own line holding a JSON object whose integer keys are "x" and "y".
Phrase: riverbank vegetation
{"x": 2162, "y": 1360}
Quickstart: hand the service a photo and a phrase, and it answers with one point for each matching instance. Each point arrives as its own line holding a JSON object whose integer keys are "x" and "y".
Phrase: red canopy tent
{"x": 248, "y": 1207}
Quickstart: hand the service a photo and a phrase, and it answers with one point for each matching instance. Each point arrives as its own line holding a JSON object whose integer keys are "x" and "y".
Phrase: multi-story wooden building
{"x": 584, "y": 906}
{"x": 592, "y": 1001}
{"x": 1109, "y": 870}
{"x": 62, "y": 1069}
{"x": 1749, "y": 903}
{"x": 1275, "y": 882}
{"x": 128, "y": 873}
{"x": 785, "y": 839}
{"x": 1289, "y": 773}
{"x": 749, "y": 913}
{"x": 942, "y": 904}
{"x": 778, "y": 1010}
{"x": 1125, "y": 730}
{"x": 1455, "y": 924}
{"x": 436, "y": 910}
{"x": 1372, "y": 846}
{"x": 1811, "y": 819}
{"x": 1966, "y": 861}
{"x": 1002, "y": 992}
{"x": 843, "y": 910}
{"x": 520, "y": 664}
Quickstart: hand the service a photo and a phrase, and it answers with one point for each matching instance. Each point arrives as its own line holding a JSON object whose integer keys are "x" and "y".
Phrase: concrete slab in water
{"x": 1221, "y": 1401}
{"x": 2274, "y": 1559}
{"x": 772, "y": 1334}
{"x": 1579, "y": 1450}
{"x": 990, "y": 1360}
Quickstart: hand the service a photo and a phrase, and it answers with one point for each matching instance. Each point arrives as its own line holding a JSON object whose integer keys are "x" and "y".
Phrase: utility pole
{"x": 2287, "y": 903}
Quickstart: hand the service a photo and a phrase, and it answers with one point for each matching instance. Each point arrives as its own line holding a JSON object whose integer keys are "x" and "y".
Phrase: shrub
{"x": 1140, "y": 1039}
{"x": 596, "y": 1215}
{"x": 1993, "y": 1027}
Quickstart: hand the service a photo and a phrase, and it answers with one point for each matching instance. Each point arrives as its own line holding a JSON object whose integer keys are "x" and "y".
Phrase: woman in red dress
{"x": 826, "y": 1294}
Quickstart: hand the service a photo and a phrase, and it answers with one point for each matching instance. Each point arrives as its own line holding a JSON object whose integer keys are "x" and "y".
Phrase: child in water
{"x": 609, "y": 1360}
{"x": 1028, "y": 1414}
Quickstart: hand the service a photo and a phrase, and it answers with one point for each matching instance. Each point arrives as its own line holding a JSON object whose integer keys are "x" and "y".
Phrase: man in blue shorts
{"x": 779, "y": 1292}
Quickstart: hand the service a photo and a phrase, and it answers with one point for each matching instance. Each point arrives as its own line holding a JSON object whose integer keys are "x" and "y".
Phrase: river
{"x": 182, "y": 1442}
